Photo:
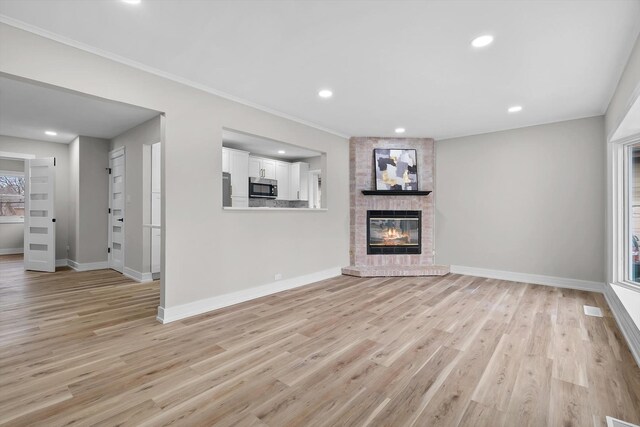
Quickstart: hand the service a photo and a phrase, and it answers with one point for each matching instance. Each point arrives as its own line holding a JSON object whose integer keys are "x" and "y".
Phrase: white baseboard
{"x": 62, "y": 262}
{"x": 625, "y": 322}
{"x": 11, "y": 251}
{"x": 170, "y": 314}
{"x": 136, "y": 275}
{"x": 537, "y": 279}
{"x": 88, "y": 266}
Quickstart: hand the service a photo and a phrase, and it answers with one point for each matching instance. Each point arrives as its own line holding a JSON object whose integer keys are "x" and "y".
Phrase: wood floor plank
{"x": 84, "y": 348}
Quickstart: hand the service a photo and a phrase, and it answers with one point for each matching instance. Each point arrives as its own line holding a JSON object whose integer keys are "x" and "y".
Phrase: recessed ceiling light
{"x": 131, "y": 1}
{"x": 51, "y": 133}
{"x": 515, "y": 109}
{"x": 325, "y": 93}
{"x": 281, "y": 151}
{"x": 482, "y": 41}
{"x": 400, "y": 130}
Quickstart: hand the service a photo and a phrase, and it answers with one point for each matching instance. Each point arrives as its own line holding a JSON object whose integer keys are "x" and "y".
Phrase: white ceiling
{"x": 265, "y": 147}
{"x": 389, "y": 63}
{"x": 27, "y": 110}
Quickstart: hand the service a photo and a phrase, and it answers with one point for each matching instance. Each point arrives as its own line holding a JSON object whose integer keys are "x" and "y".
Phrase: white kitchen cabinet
{"x": 283, "y": 176}
{"x": 299, "y": 182}
{"x": 225, "y": 159}
{"x": 262, "y": 168}
{"x": 239, "y": 170}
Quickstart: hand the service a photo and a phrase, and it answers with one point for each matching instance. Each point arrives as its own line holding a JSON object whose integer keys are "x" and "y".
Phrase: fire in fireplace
{"x": 394, "y": 232}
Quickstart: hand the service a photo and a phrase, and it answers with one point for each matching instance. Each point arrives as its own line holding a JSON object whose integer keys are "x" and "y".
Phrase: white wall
{"x": 93, "y": 199}
{"x": 626, "y": 92}
{"x": 61, "y": 153}
{"x": 207, "y": 251}
{"x": 137, "y": 185}
{"x": 528, "y": 200}
{"x": 74, "y": 203}
{"x": 11, "y": 234}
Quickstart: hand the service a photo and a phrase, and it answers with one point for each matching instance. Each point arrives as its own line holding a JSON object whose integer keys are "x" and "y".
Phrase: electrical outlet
{"x": 278, "y": 276}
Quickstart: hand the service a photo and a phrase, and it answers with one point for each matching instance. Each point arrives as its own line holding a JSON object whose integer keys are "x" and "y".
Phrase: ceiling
{"x": 389, "y": 63}
{"x": 265, "y": 147}
{"x": 27, "y": 110}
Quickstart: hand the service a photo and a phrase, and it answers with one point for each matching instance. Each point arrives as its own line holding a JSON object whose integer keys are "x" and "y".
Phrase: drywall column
{"x": 88, "y": 195}
{"x": 93, "y": 199}
{"x": 137, "y": 143}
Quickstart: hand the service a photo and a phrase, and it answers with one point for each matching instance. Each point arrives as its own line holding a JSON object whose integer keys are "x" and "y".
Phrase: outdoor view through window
{"x": 634, "y": 214}
{"x": 11, "y": 196}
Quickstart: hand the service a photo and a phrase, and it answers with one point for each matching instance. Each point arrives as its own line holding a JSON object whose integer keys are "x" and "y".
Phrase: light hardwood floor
{"x": 85, "y": 349}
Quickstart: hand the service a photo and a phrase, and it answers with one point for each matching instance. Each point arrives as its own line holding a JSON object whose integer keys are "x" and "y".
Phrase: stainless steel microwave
{"x": 263, "y": 188}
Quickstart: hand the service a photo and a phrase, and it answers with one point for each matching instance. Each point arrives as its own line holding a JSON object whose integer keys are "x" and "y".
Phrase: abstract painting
{"x": 396, "y": 170}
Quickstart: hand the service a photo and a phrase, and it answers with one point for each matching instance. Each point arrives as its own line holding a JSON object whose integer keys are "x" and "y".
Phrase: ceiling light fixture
{"x": 400, "y": 130}
{"x": 281, "y": 151}
{"x": 515, "y": 109}
{"x": 51, "y": 133}
{"x": 325, "y": 93}
{"x": 482, "y": 41}
{"x": 132, "y": 1}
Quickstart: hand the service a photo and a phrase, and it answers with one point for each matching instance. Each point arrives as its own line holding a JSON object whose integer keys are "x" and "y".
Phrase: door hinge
{"x": 54, "y": 161}
{"x": 108, "y": 170}
{"x": 108, "y": 250}
{"x": 109, "y": 210}
{"x": 53, "y": 220}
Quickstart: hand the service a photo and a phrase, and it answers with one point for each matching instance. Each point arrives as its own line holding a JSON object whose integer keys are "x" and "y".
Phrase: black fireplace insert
{"x": 394, "y": 232}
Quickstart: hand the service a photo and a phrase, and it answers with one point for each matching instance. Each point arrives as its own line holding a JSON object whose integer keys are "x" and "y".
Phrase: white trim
{"x": 171, "y": 314}
{"x": 134, "y": 64}
{"x": 21, "y": 156}
{"x": 11, "y": 251}
{"x": 12, "y": 173}
{"x": 88, "y": 266}
{"x": 136, "y": 275}
{"x": 560, "y": 282}
{"x": 117, "y": 152}
{"x": 11, "y": 220}
{"x": 625, "y": 322}
{"x": 62, "y": 262}
{"x": 635, "y": 94}
{"x": 617, "y": 242}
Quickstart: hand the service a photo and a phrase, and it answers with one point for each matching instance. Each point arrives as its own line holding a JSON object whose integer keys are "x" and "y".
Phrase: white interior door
{"x": 116, "y": 209}
{"x": 39, "y": 215}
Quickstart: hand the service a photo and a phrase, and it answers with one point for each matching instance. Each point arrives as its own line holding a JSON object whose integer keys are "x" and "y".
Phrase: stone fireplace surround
{"x": 361, "y": 177}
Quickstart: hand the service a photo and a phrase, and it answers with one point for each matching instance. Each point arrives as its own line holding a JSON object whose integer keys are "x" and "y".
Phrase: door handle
{"x": 120, "y": 219}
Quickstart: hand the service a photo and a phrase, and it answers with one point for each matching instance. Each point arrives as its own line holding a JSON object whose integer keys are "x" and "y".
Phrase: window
{"x": 11, "y": 196}
{"x": 634, "y": 213}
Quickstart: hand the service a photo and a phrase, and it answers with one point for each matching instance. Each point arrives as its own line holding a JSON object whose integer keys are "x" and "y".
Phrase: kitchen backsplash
{"x": 270, "y": 203}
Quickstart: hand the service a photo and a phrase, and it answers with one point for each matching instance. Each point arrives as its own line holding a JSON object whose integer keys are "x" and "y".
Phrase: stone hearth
{"x": 362, "y": 177}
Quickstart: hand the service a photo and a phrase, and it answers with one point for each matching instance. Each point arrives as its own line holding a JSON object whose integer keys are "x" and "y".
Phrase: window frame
{"x": 12, "y": 219}
{"x": 619, "y": 262}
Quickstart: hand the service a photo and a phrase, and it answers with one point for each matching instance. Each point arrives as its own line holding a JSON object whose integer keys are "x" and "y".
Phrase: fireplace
{"x": 394, "y": 232}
